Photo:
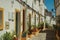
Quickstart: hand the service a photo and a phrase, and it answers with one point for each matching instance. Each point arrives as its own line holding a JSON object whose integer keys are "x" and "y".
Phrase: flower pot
{"x": 23, "y": 38}
{"x": 29, "y": 36}
{"x": 35, "y": 31}
{"x": 15, "y": 38}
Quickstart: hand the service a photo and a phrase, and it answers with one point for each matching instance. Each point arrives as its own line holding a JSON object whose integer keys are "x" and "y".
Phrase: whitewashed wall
{"x": 9, "y": 8}
{"x": 48, "y": 18}
{"x": 39, "y": 8}
{"x": 37, "y": 20}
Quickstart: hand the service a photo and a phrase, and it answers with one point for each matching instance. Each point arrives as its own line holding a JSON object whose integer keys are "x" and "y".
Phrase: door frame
{"x": 16, "y": 10}
{"x": 2, "y": 9}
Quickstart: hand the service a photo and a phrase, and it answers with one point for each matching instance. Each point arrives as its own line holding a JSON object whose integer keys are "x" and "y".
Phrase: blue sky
{"x": 49, "y": 4}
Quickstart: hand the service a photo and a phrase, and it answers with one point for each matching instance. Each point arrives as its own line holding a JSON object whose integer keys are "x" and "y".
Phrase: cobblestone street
{"x": 45, "y": 35}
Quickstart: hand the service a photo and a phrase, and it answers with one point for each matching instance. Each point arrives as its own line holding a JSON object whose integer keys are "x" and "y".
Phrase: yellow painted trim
{"x": 2, "y": 9}
{"x": 17, "y": 10}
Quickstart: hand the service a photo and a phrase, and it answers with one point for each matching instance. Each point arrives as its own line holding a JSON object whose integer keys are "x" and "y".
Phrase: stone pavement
{"x": 45, "y": 35}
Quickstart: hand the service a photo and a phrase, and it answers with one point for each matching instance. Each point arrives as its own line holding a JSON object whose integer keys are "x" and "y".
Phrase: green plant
{"x": 39, "y": 25}
{"x": 47, "y": 25}
{"x": 24, "y": 33}
{"x": 7, "y": 36}
{"x": 0, "y": 38}
{"x": 34, "y": 26}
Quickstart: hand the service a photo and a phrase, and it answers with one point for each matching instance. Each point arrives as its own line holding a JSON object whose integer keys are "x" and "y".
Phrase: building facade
{"x": 48, "y": 15}
{"x": 49, "y": 19}
{"x": 57, "y": 6}
{"x": 15, "y": 15}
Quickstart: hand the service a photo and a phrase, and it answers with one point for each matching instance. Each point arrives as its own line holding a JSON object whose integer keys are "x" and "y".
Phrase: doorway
{"x": 18, "y": 23}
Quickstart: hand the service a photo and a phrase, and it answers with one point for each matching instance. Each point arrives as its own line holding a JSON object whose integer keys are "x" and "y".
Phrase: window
{"x": 1, "y": 18}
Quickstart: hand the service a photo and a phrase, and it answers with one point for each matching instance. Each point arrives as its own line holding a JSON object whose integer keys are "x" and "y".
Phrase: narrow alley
{"x": 30, "y": 20}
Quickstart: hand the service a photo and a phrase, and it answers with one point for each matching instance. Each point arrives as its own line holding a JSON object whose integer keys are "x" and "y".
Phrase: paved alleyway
{"x": 45, "y": 35}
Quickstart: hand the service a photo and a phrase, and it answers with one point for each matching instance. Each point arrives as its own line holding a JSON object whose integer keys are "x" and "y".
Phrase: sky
{"x": 50, "y": 5}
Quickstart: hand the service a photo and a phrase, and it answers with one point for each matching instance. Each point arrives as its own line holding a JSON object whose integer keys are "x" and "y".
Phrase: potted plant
{"x": 34, "y": 29}
{"x": 38, "y": 26}
{"x": 46, "y": 24}
{"x": 7, "y": 36}
{"x": 30, "y": 34}
{"x": 24, "y": 35}
{"x": 1, "y": 38}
